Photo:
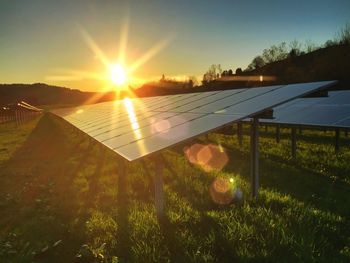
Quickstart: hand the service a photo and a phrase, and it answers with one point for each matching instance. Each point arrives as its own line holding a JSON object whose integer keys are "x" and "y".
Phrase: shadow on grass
{"x": 52, "y": 185}
{"x": 39, "y": 179}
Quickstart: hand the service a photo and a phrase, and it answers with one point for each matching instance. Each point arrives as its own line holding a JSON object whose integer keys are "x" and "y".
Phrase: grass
{"x": 63, "y": 199}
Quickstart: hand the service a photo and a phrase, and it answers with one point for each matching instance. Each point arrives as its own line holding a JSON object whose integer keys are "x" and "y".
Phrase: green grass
{"x": 63, "y": 199}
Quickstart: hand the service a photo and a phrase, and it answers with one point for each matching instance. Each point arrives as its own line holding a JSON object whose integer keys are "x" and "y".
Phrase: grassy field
{"x": 62, "y": 199}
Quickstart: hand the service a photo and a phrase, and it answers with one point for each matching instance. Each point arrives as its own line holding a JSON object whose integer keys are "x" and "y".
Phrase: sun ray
{"x": 150, "y": 53}
{"x": 117, "y": 77}
{"x": 94, "y": 47}
{"x": 123, "y": 40}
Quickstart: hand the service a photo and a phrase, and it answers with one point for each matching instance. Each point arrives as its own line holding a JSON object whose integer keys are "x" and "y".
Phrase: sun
{"x": 117, "y": 74}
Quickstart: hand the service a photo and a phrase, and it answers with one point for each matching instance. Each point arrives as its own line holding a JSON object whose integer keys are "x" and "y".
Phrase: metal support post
{"x": 278, "y": 134}
{"x": 294, "y": 142}
{"x": 239, "y": 134}
{"x": 254, "y": 156}
{"x": 337, "y": 139}
{"x": 17, "y": 120}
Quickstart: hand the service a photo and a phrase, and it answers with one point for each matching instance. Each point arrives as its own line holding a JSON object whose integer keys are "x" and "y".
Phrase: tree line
{"x": 277, "y": 53}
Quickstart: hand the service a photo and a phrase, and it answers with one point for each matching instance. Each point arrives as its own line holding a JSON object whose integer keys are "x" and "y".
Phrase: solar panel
{"x": 135, "y": 128}
{"x": 331, "y": 111}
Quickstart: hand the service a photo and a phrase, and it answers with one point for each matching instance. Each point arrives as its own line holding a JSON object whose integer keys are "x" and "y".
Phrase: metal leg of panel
{"x": 254, "y": 157}
{"x": 158, "y": 187}
{"x": 122, "y": 176}
{"x": 239, "y": 134}
{"x": 17, "y": 120}
{"x": 278, "y": 133}
{"x": 337, "y": 140}
{"x": 294, "y": 143}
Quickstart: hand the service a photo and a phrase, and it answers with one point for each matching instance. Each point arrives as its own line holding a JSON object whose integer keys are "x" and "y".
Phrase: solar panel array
{"x": 137, "y": 127}
{"x": 331, "y": 111}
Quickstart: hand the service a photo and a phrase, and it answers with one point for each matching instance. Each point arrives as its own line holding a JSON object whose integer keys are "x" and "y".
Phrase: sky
{"x": 51, "y": 41}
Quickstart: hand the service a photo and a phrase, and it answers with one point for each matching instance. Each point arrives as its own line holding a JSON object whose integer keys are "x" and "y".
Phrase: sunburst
{"x": 117, "y": 75}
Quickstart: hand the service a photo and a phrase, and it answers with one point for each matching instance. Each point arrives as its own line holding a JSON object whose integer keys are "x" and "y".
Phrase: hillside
{"x": 323, "y": 64}
{"x": 43, "y": 94}
{"x": 330, "y": 63}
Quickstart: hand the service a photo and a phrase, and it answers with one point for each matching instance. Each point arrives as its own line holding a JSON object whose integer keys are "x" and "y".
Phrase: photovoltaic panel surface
{"x": 135, "y": 128}
{"x": 331, "y": 111}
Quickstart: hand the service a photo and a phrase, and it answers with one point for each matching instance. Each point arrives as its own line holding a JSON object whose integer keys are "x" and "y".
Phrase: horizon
{"x": 176, "y": 39}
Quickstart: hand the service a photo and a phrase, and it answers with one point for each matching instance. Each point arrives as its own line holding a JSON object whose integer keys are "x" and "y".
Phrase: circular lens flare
{"x": 224, "y": 190}
{"x": 209, "y": 157}
{"x": 117, "y": 74}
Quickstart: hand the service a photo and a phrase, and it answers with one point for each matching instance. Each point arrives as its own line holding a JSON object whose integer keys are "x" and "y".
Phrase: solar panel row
{"x": 331, "y": 111}
{"x": 137, "y": 127}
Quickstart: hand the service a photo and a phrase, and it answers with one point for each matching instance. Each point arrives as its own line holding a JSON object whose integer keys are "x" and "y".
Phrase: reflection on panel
{"x": 178, "y": 134}
{"x": 137, "y": 127}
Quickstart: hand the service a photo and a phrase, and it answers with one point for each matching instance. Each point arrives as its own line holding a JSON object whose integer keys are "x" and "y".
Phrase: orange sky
{"x": 44, "y": 41}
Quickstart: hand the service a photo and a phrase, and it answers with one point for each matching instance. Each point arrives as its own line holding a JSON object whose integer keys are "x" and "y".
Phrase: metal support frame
{"x": 300, "y": 130}
{"x": 239, "y": 134}
{"x": 122, "y": 165}
{"x": 158, "y": 187}
{"x": 17, "y": 119}
{"x": 337, "y": 140}
{"x": 278, "y": 133}
{"x": 294, "y": 142}
{"x": 254, "y": 156}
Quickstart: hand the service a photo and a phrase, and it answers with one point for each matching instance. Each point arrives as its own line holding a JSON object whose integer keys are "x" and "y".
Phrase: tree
{"x": 329, "y": 43}
{"x": 344, "y": 35}
{"x": 275, "y": 53}
{"x": 213, "y": 73}
{"x": 192, "y": 81}
{"x": 310, "y": 46}
{"x": 295, "y": 48}
{"x": 257, "y": 62}
{"x": 239, "y": 71}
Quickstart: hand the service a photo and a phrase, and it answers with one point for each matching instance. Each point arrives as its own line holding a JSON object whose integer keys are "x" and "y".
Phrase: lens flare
{"x": 160, "y": 126}
{"x": 224, "y": 191}
{"x": 221, "y": 191}
{"x": 209, "y": 157}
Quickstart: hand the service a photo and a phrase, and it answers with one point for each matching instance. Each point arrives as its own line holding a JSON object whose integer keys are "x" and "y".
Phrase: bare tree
{"x": 344, "y": 35}
{"x": 275, "y": 53}
{"x": 213, "y": 73}
{"x": 295, "y": 48}
{"x": 310, "y": 46}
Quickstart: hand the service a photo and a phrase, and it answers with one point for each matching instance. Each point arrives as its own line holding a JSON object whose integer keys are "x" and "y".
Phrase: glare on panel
{"x": 135, "y": 128}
